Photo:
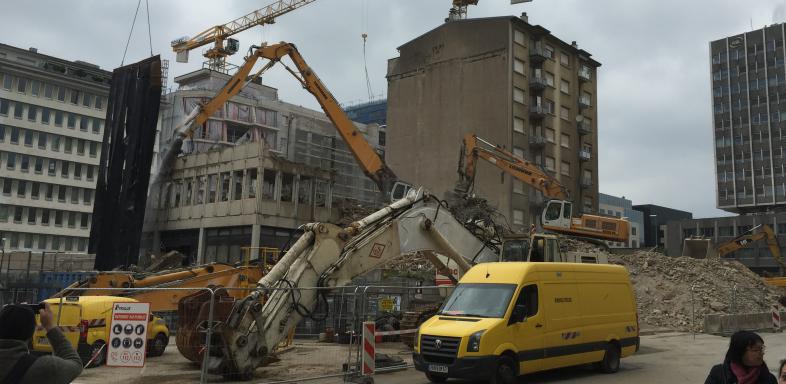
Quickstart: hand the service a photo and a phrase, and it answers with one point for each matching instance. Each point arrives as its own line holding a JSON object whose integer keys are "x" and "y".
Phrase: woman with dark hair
{"x": 744, "y": 362}
{"x": 782, "y": 373}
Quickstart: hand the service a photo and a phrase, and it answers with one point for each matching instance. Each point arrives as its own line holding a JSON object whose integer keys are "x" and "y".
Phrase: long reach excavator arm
{"x": 328, "y": 256}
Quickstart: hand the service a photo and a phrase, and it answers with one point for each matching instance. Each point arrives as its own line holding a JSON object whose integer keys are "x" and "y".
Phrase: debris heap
{"x": 676, "y": 292}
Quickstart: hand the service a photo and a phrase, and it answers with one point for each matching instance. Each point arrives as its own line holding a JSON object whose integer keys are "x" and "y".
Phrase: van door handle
{"x": 538, "y": 325}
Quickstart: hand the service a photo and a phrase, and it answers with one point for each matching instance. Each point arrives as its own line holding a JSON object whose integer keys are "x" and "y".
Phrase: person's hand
{"x": 47, "y": 317}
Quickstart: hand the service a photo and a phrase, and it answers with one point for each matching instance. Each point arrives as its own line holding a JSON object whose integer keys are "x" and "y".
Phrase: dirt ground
{"x": 305, "y": 359}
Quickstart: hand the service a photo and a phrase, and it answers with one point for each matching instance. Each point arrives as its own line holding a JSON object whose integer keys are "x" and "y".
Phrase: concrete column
{"x": 201, "y": 246}
{"x": 256, "y": 230}
{"x": 156, "y": 246}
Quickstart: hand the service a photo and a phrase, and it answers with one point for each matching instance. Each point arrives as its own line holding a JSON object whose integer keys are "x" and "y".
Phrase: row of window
{"x": 242, "y": 184}
{"x": 39, "y": 165}
{"x": 44, "y": 216}
{"x": 37, "y": 88}
{"x": 520, "y": 38}
{"x": 50, "y": 141}
{"x": 18, "y": 240}
{"x": 47, "y": 191}
{"x": 47, "y": 116}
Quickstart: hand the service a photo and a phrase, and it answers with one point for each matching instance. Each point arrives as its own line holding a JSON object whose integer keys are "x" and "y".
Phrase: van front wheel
{"x": 505, "y": 372}
{"x": 611, "y": 359}
{"x": 434, "y": 378}
{"x": 98, "y": 354}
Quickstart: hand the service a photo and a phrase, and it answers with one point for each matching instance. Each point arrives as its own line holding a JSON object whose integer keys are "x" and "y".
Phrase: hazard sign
{"x": 128, "y": 335}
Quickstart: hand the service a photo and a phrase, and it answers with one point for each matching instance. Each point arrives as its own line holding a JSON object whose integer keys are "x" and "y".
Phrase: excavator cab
{"x": 557, "y": 214}
{"x": 399, "y": 191}
{"x": 535, "y": 248}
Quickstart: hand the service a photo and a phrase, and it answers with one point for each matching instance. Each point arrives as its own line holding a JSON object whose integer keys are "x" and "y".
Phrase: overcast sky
{"x": 654, "y": 117}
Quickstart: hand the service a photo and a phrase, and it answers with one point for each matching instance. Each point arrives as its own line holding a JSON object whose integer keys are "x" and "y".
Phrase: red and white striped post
{"x": 776, "y": 318}
{"x": 368, "y": 348}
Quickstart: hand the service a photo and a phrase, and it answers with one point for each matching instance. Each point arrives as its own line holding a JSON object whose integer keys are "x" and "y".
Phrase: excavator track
{"x": 413, "y": 319}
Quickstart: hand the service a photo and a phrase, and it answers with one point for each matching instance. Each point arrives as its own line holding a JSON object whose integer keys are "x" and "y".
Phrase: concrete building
{"x": 749, "y": 119}
{"x": 510, "y": 82}
{"x": 51, "y": 129}
{"x": 258, "y": 169}
{"x": 622, "y": 207}
{"x": 755, "y": 256}
{"x": 655, "y": 219}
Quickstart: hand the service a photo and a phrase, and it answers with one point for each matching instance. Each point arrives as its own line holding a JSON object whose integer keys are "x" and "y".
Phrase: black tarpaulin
{"x": 124, "y": 171}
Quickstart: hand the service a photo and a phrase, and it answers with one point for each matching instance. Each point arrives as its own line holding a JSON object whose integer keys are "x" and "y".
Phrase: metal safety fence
{"x": 326, "y": 342}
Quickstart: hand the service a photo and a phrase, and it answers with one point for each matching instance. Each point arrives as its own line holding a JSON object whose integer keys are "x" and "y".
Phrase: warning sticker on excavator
{"x": 376, "y": 250}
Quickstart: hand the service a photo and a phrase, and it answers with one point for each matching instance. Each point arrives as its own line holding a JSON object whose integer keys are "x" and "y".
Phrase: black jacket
{"x": 722, "y": 374}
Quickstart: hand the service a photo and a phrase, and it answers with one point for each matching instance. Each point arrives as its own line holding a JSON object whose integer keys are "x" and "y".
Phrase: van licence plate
{"x": 438, "y": 368}
{"x": 43, "y": 341}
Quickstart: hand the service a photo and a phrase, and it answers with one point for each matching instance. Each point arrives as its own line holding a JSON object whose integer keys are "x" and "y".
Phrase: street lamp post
{"x": 653, "y": 221}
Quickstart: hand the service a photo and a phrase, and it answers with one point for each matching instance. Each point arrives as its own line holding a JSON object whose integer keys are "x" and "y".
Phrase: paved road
{"x": 663, "y": 358}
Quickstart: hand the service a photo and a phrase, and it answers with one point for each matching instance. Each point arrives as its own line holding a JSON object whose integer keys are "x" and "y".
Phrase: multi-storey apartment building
{"x": 51, "y": 129}
{"x": 749, "y": 119}
{"x": 507, "y": 81}
{"x": 622, "y": 207}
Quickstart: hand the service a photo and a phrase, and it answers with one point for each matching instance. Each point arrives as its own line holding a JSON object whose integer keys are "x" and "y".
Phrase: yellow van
{"x": 85, "y": 322}
{"x": 508, "y": 319}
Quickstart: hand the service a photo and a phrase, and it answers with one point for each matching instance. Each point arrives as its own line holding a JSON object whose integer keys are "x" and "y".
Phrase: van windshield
{"x": 479, "y": 300}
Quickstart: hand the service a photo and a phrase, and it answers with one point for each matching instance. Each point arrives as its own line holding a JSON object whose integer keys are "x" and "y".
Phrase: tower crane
{"x": 219, "y": 35}
{"x": 459, "y": 9}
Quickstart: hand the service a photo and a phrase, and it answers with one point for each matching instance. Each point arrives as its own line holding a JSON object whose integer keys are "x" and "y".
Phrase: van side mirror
{"x": 519, "y": 314}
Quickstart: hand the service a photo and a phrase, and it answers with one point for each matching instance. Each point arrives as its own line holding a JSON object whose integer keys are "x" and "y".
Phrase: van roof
{"x": 515, "y": 272}
{"x": 92, "y": 299}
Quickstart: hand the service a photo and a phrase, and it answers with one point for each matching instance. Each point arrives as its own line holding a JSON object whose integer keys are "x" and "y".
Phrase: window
{"x": 200, "y": 190}
{"x": 74, "y": 97}
{"x": 42, "y": 140}
{"x": 99, "y": 102}
{"x": 564, "y": 59}
{"x": 6, "y": 186}
{"x": 564, "y": 86}
{"x": 59, "y": 218}
{"x": 80, "y": 147}
{"x": 32, "y": 112}
{"x": 28, "y": 138}
{"x": 61, "y": 193}
{"x": 528, "y": 298}
{"x": 548, "y": 51}
{"x": 565, "y": 168}
{"x": 49, "y": 191}
{"x": 45, "y": 116}
{"x": 31, "y": 216}
{"x": 35, "y": 190}
{"x": 518, "y": 152}
{"x": 225, "y": 186}
{"x": 83, "y": 220}
{"x": 564, "y": 140}
{"x": 77, "y": 171}
{"x": 48, "y": 90}
{"x": 58, "y": 118}
{"x": 56, "y": 242}
{"x": 61, "y": 93}
{"x": 518, "y": 217}
{"x": 518, "y": 186}
{"x": 18, "y": 110}
{"x": 212, "y": 183}
{"x": 564, "y": 113}
{"x": 549, "y": 79}
{"x": 72, "y": 219}
{"x": 64, "y": 169}
{"x": 518, "y": 37}
{"x": 549, "y": 135}
{"x": 90, "y": 173}
{"x": 35, "y": 85}
{"x": 14, "y": 135}
{"x": 268, "y": 184}
{"x": 287, "y": 185}
{"x": 21, "y": 84}
{"x": 304, "y": 190}
{"x": 237, "y": 180}
{"x": 550, "y": 163}
{"x": 4, "y": 106}
{"x": 52, "y": 167}
{"x": 518, "y": 95}
{"x": 87, "y": 100}
{"x": 10, "y": 161}
{"x": 251, "y": 183}
{"x": 25, "y": 163}
{"x": 44, "y": 216}
{"x": 39, "y": 164}
{"x": 17, "y": 214}
{"x": 518, "y": 66}
{"x": 21, "y": 188}
{"x": 518, "y": 125}
{"x": 2, "y": 133}
{"x": 71, "y": 120}
{"x": 93, "y": 149}
{"x": 7, "y": 80}
{"x": 83, "y": 123}
{"x": 68, "y": 145}
{"x": 96, "y": 125}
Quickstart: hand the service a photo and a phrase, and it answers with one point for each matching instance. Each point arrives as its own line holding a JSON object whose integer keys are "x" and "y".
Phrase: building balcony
{"x": 537, "y": 54}
{"x": 585, "y": 74}
{"x": 585, "y": 155}
{"x": 537, "y": 83}
{"x": 584, "y": 102}
{"x": 538, "y": 111}
{"x": 537, "y": 141}
{"x": 586, "y": 182}
{"x": 583, "y": 128}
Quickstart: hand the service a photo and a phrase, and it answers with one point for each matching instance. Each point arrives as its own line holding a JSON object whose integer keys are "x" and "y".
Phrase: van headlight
{"x": 474, "y": 341}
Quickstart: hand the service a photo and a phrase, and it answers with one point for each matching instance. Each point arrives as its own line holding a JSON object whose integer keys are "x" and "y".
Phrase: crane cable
{"x": 364, "y": 35}
{"x": 131, "y": 32}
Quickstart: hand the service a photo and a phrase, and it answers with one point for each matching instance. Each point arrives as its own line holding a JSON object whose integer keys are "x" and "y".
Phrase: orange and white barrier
{"x": 368, "y": 348}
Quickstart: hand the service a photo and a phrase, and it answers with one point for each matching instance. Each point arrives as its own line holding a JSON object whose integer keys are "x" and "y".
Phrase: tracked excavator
{"x": 328, "y": 256}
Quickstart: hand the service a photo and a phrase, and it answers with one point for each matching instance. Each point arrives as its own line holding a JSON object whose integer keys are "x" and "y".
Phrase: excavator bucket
{"x": 193, "y": 314}
{"x": 698, "y": 248}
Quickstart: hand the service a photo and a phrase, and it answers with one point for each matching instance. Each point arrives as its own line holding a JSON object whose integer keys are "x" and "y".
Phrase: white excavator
{"x": 330, "y": 256}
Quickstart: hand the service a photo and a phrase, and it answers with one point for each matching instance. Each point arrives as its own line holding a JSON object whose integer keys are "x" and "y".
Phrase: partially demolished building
{"x": 258, "y": 169}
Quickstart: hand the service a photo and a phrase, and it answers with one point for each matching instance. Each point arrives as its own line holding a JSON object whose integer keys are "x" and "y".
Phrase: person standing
{"x": 17, "y": 365}
{"x": 782, "y": 373}
{"x": 744, "y": 362}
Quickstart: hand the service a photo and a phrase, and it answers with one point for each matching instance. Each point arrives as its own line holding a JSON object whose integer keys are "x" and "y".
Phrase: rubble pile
{"x": 670, "y": 289}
